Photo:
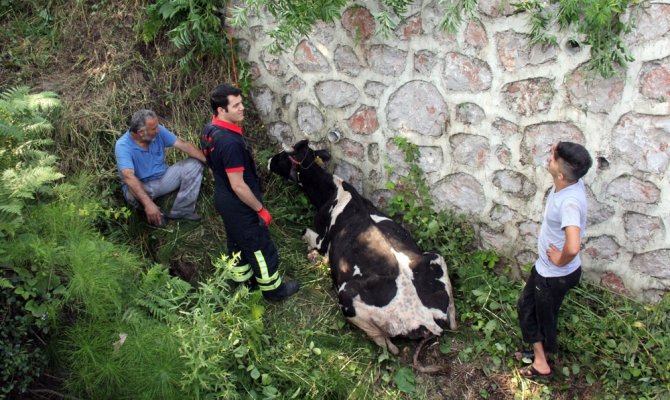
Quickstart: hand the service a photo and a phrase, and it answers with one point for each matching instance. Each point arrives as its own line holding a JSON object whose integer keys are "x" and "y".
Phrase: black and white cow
{"x": 385, "y": 284}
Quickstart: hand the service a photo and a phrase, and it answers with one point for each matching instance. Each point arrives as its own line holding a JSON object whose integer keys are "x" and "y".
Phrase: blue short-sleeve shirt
{"x": 148, "y": 164}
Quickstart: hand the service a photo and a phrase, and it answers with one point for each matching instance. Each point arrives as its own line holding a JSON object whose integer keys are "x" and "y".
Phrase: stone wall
{"x": 484, "y": 106}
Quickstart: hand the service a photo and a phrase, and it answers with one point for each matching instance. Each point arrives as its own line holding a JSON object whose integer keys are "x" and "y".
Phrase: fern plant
{"x": 26, "y": 289}
{"x": 27, "y": 170}
{"x": 161, "y": 294}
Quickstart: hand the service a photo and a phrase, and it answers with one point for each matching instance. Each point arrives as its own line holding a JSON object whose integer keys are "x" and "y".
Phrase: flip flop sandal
{"x": 525, "y": 355}
{"x": 531, "y": 373}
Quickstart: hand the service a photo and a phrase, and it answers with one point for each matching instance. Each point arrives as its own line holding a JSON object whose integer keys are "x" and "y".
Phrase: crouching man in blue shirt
{"x": 140, "y": 158}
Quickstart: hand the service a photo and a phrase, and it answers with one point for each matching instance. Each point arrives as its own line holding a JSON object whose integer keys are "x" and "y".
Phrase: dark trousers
{"x": 247, "y": 235}
{"x": 538, "y": 307}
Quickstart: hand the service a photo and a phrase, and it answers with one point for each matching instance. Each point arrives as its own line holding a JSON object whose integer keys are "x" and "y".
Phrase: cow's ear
{"x": 324, "y": 155}
{"x": 298, "y": 146}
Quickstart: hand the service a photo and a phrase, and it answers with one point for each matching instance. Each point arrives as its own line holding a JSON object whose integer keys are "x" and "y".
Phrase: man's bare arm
{"x": 570, "y": 247}
{"x": 190, "y": 149}
{"x": 136, "y": 188}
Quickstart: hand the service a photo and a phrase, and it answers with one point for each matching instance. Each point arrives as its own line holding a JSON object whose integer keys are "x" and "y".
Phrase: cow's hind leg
{"x": 376, "y": 334}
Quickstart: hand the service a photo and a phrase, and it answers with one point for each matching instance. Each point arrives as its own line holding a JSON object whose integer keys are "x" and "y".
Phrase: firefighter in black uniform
{"x": 238, "y": 197}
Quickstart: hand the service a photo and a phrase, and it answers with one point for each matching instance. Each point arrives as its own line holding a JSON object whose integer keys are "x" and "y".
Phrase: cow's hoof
{"x": 393, "y": 349}
{"x": 314, "y": 257}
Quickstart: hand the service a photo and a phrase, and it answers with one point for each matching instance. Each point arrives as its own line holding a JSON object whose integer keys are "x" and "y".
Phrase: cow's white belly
{"x": 405, "y": 312}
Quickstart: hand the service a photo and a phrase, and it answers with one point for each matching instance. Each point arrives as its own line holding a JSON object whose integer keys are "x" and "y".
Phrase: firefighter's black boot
{"x": 284, "y": 290}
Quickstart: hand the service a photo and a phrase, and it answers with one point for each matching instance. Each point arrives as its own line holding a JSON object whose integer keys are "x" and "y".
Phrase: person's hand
{"x": 264, "y": 214}
{"x": 154, "y": 215}
{"x": 554, "y": 254}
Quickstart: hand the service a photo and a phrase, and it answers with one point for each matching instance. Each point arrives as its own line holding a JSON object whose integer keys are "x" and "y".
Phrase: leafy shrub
{"x": 21, "y": 357}
{"x": 443, "y": 231}
{"x": 28, "y": 287}
{"x": 194, "y": 26}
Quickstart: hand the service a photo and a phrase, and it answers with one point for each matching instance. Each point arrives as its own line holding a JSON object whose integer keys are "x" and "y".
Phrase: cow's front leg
{"x": 310, "y": 238}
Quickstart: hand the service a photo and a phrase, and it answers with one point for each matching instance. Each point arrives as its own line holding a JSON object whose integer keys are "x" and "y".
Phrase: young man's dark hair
{"x": 219, "y": 96}
{"x": 574, "y": 160}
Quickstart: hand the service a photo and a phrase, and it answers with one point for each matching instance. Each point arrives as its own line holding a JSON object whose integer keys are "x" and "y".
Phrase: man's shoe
{"x": 188, "y": 217}
{"x": 284, "y": 290}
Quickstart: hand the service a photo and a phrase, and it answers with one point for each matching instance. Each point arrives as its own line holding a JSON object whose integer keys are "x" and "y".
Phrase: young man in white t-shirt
{"x": 558, "y": 266}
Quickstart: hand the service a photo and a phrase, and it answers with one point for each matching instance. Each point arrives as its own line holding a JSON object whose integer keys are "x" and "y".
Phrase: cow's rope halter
{"x": 316, "y": 159}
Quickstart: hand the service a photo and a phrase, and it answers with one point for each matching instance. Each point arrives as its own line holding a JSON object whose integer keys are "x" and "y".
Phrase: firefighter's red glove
{"x": 265, "y": 216}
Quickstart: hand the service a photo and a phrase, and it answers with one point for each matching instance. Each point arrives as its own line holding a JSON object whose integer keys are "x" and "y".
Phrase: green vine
{"x": 296, "y": 18}
{"x": 599, "y": 22}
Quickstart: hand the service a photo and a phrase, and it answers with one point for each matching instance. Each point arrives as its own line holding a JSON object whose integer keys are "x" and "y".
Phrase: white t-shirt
{"x": 565, "y": 208}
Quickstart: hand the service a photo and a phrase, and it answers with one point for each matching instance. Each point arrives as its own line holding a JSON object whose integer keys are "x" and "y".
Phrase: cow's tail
{"x": 451, "y": 309}
{"x": 427, "y": 369}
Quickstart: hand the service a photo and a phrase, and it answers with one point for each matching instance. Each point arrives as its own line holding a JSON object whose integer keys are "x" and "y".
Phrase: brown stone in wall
{"x": 655, "y": 79}
{"x": 469, "y": 113}
{"x": 515, "y": 51}
{"x": 424, "y": 61}
{"x": 505, "y": 128}
{"x": 614, "y": 283}
{"x": 352, "y": 149}
{"x": 514, "y": 183}
{"x": 295, "y": 83}
{"x": 529, "y": 96}
{"x": 460, "y": 191}
{"x": 538, "y": 138}
{"x": 254, "y": 71}
{"x": 643, "y": 141}
{"x": 641, "y": 229}
{"x": 374, "y": 89}
{"x": 347, "y": 61}
{"x": 466, "y": 74}
{"x": 503, "y": 154}
{"x": 429, "y": 114}
{"x": 273, "y": 64}
{"x": 334, "y": 93}
{"x": 475, "y": 35}
{"x": 386, "y": 60}
{"x": 359, "y": 23}
{"x": 628, "y": 188}
{"x": 430, "y": 158}
{"x": 592, "y": 93}
{"x": 598, "y": 212}
{"x": 653, "y": 263}
{"x": 652, "y": 23}
{"x": 496, "y": 8}
{"x": 470, "y": 150}
{"x": 364, "y": 120}
{"x": 602, "y": 248}
{"x": 309, "y": 118}
{"x": 280, "y": 132}
{"x": 307, "y": 58}
{"x": 410, "y": 27}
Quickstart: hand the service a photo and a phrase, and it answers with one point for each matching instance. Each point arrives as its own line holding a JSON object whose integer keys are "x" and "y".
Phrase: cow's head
{"x": 290, "y": 162}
